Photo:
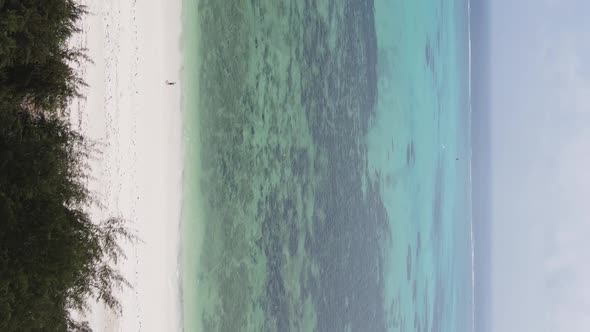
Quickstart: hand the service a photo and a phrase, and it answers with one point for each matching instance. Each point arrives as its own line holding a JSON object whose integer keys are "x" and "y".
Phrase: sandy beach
{"x": 135, "y": 117}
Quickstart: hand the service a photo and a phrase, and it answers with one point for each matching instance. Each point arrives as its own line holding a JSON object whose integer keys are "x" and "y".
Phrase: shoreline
{"x": 192, "y": 219}
{"x": 136, "y": 121}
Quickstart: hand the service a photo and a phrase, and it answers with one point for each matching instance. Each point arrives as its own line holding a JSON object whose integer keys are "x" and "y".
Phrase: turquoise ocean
{"x": 327, "y": 181}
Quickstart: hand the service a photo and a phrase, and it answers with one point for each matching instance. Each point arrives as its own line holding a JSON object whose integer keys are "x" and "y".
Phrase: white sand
{"x": 129, "y": 109}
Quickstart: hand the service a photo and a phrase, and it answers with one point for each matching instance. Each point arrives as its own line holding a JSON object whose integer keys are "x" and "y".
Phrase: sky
{"x": 540, "y": 124}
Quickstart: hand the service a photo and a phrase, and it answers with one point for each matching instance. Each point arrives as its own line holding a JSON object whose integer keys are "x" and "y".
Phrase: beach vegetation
{"x": 54, "y": 258}
{"x": 35, "y": 57}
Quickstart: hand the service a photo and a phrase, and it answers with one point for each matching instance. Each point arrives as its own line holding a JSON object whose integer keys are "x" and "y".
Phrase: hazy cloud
{"x": 543, "y": 187}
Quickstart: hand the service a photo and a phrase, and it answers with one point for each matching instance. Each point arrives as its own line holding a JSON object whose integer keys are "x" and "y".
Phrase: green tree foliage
{"x": 34, "y": 55}
{"x": 53, "y": 257}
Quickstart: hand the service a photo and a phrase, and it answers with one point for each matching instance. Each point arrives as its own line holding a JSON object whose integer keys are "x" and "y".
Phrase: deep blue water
{"x": 420, "y": 148}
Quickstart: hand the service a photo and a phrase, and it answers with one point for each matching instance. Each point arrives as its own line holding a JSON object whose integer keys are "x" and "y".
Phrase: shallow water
{"x": 327, "y": 178}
